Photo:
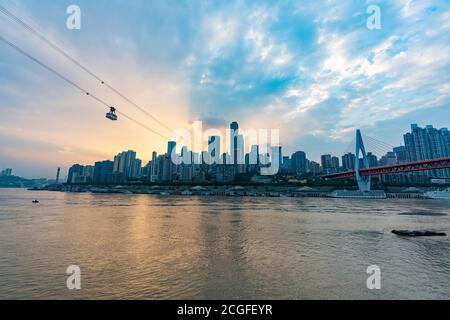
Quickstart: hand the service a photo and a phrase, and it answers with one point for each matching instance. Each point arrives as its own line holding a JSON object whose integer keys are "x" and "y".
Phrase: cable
{"x": 381, "y": 147}
{"x": 73, "y": 60}
{"x": 380, "y": 142}
{"x": 74, "y": 84}
{"x": 375, "y": 149}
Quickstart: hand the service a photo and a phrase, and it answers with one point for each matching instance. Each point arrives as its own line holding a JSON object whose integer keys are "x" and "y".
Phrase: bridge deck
{"x": 443, "y": 163}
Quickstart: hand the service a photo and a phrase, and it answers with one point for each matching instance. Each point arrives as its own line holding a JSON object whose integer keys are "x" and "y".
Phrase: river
{"x": 175, "y": 247}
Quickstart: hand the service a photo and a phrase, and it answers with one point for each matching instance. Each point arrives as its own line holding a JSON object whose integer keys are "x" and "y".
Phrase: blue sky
{"x": 309, "y": 68}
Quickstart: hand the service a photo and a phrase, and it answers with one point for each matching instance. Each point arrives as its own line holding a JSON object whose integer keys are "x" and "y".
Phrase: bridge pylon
{"x": 364, "y": 183}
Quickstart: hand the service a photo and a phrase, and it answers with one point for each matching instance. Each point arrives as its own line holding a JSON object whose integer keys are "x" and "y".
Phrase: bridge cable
{"x": 387, "y": 145}
{"x": 375, "y": 149}
{"x": 380, "y": 148}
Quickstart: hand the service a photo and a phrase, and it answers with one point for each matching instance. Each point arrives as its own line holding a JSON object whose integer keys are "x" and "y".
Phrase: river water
{"x": 156, "y": 247}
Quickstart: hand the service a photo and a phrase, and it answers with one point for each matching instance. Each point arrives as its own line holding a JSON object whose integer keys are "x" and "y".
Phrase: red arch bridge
{"x": 443, "y": 163}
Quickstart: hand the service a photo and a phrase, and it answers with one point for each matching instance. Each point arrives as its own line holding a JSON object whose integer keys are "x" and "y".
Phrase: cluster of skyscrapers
{"x": 214, "y": 166}
{"x": 188, "y": 166}
{"x": 6, "y": 173}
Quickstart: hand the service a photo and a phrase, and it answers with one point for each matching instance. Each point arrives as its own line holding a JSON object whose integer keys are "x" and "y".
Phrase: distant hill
{"x": 19, "y": 182}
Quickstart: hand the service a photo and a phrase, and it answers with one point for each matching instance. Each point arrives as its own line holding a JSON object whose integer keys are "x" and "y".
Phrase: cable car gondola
{"x": 111, "y": 115}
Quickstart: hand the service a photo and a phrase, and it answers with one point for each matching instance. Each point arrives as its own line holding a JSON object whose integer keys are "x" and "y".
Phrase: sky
{"x": 311, "y": 69}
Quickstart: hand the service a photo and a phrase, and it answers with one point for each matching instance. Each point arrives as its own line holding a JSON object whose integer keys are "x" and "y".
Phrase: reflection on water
{"x": 152, "y": 247}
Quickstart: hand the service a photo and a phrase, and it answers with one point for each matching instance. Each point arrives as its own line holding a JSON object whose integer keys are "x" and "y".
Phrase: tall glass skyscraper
{"x": 171, "y": 146}
{"x": 234, "y": 132}
{"x": 428, "y": 143}
{"x": 214, "y": 148}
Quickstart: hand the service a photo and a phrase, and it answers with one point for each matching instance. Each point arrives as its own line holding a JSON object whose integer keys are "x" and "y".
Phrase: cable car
{"x": 111, "y": 115}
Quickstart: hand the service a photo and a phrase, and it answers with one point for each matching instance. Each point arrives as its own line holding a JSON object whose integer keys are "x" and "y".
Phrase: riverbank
{"x": 226, "y": 191}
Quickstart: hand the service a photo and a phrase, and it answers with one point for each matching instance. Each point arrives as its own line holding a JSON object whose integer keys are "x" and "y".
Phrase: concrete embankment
{"x": 236, "y": 191}
{"x": 404, "y": 196}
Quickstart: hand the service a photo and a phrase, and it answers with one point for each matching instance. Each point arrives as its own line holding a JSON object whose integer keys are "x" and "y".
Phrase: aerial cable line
{"x": 19, "y": 21}
{"x": 99, "y": 100}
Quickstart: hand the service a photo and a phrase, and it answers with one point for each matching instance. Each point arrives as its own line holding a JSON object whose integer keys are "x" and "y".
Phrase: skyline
{"x": 420, "y": 144}
{"x": 314, "y": 73}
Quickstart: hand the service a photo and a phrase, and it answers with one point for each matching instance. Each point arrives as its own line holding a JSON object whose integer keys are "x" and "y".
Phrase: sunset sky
{"x": 311, "y": 69}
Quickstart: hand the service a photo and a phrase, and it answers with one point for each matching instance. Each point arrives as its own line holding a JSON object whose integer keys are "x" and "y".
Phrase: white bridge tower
{"x": 364, "y": 183}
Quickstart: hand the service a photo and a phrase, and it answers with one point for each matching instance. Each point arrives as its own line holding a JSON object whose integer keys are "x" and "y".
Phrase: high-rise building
{"x": 252, "y": 159}
{"x": 280, "y": 157}
{"x": 326, "y": 162}
{"x": 314, "y": 168}
{"x": 389, "y": 159}
{"x": 103, "y": 171}
{"x": 80, "y": 174}
{"x": 426, "y": 144}
{"x": 234, "y": 132}
{"x": 298, "y": 163}
{"x": 335, "y": 164}
{"x": 348, "y": 161}
{"x": 186, "y": 170}
{"x": 254, "y": 155}
{"x": 372, "y": 159}
{"x": 402, "y": 154}
{"x": 286, "y": 167}
{"x": 153, "y": 168}
{"x": 214, "y": 148}
{"x": 446, "y": 137}
{"x": 240, "y": 150}
{"x": 58, "y": 172}
{"x": 137, "y": 169}
{"x": 88, "y": 174}
{"x": 171, "y": 147}
{"x": 75, "y": 171}
{"x": 126, "y": 165}
{"x": 6, "y": 173}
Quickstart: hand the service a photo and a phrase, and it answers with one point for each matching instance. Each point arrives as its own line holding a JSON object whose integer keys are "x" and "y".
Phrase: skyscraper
{"x": 154, "y": 165}
{"x": 428, "y": 143}
{"x": 280, "y": 157}
{"x": 314, "y": 168}
{"x": 348, "y": 161}
{"x": 240, "y": 164}
{"x": 103, "y": 171}
{"x": 373, "y": 160}
{"x": 171, "y": 146}
{"x": 58, "y": 172}
{"x": 74, "y": 171}
{"x": 298, "y": 163}
{"x": 401, "y": 154}
{"x": 335, "y": 164}
{"x": 234, "y": 132}
{"x": 125, "y": 166}
{"x": 254, "y": 155}
{"x": 389, "y": 159}
{"x": 137, "y": 168}
{"x": 6, "y": 173}
{"x": 214, "y": 148}
{"x": 326, "y": 162}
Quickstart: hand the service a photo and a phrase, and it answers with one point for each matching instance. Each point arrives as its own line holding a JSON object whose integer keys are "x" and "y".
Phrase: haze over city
{"x": 312, "y": 70}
